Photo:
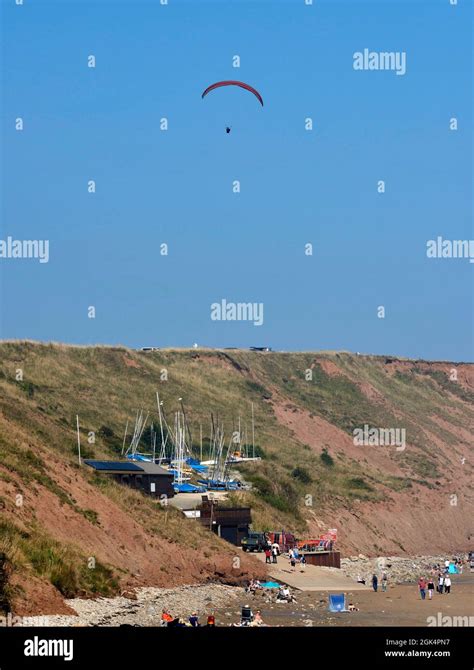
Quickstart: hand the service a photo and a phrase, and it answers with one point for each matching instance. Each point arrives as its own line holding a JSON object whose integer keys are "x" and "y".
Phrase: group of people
{"x": 272, "y": 551}
{"x": 443, "y": 585}
{"x": 296, "y": 558}
{"x": 248, "y": 618}
{"x": 375, "y": 581}
{"x": 439, "y": 574}
{"x": 193, "y": 621}
{"x": 253, "y": 586}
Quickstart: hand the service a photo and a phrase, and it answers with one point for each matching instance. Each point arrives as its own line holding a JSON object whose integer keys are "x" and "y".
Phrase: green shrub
{"x": 302, "y": 475}
{"x": 359, "y": 483}
{"x": 326, "y": 458}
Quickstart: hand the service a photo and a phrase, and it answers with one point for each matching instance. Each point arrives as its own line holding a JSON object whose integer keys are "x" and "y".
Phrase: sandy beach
{"x": 400, "y": 605}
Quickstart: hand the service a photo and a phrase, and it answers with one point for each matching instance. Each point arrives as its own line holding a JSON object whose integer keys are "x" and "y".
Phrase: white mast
{"x": 78, "y": 439}
{"x": 124, "y": 438}
{"x": 200, "y": 436}
{"x": 253, "y": 434}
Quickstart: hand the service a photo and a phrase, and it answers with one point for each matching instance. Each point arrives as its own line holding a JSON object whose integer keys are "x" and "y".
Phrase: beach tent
{"x": 452, "y": 569}
{"x": 271, "y": 585}
{"x": 337, "y": 602}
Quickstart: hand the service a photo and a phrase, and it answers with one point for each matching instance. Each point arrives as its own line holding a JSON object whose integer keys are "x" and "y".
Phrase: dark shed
{"x": 230, "y": 523}
{"x": 152, "y": 479}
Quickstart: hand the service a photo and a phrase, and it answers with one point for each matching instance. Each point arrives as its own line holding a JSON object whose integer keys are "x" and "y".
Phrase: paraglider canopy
{"x": 242, "y": 84}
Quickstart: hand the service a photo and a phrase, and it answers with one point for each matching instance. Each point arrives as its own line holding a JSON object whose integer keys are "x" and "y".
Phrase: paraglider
{"x": 247, "y": 87}
{"x": 242, "y": 84}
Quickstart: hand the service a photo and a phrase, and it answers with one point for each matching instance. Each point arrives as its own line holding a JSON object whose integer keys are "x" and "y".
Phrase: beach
{"x": 400, "y": 605}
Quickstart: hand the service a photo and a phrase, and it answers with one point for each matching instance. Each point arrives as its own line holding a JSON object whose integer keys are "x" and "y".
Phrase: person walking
{"x": 440, "y": 583}
{"x": 268, "y": 555}
{"x": 384, "y": 581}
{"x": 274, "y": 553}
{"x": 302, "y": 563}
{"x": 447, "y": 584}
{"x": 375, "y": 582}
{"x": 422, "y": 587}
{"x": 430, "y": 587}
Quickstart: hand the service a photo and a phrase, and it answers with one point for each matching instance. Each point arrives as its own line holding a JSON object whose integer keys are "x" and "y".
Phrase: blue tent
{"x": 452, "y": 569}
{"x": 337, "y": 602}
{"x": 271, "y": 585}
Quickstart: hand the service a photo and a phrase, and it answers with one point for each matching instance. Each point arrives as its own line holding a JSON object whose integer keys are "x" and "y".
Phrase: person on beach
{"x": 274, "y": 553}
{"x": 440, "y": 583}
{"x": 166, "y": 618}
{"x": 422, "y": 587}
{"x": 257, "y": 620}
{"x": 447, "y": 584}
{"x": 268, "y": 555}
{"x": 292, "y": 562}
{"x": 384, "y": 581}
{"x": 375, "y": 582}
{"x": 285, "y": 595}
{"x": 302, "y": 563}
{"x": 211, "y": 621}
{"x": 194, "y": 620}
{"x": 430, "y": 588}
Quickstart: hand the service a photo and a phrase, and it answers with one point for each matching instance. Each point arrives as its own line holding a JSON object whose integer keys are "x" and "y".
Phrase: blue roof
{"x": 114, "y": 465}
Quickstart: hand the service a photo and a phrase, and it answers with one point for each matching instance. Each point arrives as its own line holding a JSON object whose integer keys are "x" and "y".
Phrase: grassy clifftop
{"x": 311, "y": 476}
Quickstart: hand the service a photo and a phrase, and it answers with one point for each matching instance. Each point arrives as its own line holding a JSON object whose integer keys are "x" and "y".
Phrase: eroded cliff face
{"x": 414, "y": 497}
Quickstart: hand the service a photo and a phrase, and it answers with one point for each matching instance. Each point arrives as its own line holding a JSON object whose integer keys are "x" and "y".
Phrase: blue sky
{"x": 175, "y": 186}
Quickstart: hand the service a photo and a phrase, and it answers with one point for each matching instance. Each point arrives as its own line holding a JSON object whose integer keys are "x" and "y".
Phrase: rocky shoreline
{"x": 400, "y": 570}
{"x": 145, "y": 607}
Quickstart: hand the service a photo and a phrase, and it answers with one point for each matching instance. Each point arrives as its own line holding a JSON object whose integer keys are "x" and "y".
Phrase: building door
{"x": 230, "y": 534}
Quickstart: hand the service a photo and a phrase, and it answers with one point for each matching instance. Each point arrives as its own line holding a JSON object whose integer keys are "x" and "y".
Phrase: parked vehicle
{"x": 254, "y": 542}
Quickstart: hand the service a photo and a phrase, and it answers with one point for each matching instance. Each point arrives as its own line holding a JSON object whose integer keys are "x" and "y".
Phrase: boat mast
{"x": 253, "y": 434}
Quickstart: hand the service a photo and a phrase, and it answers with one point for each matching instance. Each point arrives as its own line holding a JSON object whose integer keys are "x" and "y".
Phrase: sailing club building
{"x": 149, "y": 478}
